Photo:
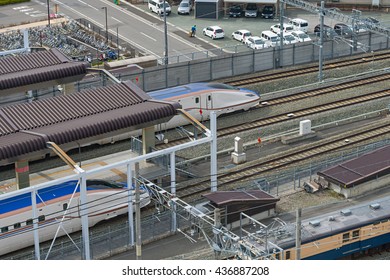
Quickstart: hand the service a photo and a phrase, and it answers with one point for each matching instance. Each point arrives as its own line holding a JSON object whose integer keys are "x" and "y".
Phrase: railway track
{"x": 308, "y": 70}
{"x": 272, "y": 101}
{"x": 192, "y": 189}
{"x": 290, "y": 115}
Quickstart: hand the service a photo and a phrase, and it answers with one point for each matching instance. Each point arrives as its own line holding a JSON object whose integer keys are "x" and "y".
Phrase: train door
{"x": 209, "y": 104}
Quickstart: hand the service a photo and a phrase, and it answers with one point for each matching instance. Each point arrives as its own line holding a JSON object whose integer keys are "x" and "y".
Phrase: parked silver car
{"x": 185, "y": 7}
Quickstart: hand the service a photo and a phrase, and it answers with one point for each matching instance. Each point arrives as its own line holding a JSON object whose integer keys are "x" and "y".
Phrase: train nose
{"x": 255, "y": 94}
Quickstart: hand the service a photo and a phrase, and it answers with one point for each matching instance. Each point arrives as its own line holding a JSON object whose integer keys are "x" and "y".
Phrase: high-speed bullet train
{"x": 56, "y": 205}
{"x": 199, "y": 99}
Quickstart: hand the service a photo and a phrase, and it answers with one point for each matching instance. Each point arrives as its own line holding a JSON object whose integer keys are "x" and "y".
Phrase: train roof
{"x": 53, "y": 192}
{"x": 331, "y": 223}
{"x": 188, "y": 88}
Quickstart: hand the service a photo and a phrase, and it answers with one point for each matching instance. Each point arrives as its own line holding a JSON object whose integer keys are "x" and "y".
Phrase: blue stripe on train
{"x": 46, "y": 194}
{"x": 352, "y": 248}
{"x": 177, "y": 91}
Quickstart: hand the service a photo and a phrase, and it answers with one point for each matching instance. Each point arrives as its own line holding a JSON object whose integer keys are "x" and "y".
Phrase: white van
{"x": 299, "y": 24}
{"x": 271, "y": 38}
{"x": 157, "y": 6}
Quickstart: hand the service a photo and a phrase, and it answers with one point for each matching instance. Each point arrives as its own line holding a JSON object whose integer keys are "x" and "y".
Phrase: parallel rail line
{"x": 255, "y": 168}
{"x": 291, "y": 115}
{"x": 307, "y": 70}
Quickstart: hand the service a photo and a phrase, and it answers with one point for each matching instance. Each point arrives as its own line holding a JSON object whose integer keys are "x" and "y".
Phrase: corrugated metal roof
{"x": 230, "y": 197}
{"x": 25, "y": 128}
{"x": 63, "y": 108}
{"x": 37, "y": 67}
{"x": 360, "y": 169}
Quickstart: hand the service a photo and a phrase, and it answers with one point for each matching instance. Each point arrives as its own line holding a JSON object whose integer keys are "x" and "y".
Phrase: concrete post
{"x": 238, "y": 156}
{"x": 68, "y": 88}
{"x": 22, "y": 172}
{"x": 148, "y": 140}
{"x": 304, "y": 127}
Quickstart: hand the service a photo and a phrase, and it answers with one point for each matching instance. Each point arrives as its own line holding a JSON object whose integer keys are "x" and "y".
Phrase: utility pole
{"x": 321, "y": 50}
{"x": 281, "y": 13}
{"x": 137, "y": 215}
{"x": 117, "y": 40}
{"x": 48, "y": 13}
{"x": 166, "y": 35}
{"x": 105, "y": 10}
{"x": 298, "y": 237}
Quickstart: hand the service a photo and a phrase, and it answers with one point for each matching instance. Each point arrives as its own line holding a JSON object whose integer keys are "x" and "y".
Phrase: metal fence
{"x": 293, "y": 179}
{"x": 235, "y": 62}
{"x": 109, "y": 240}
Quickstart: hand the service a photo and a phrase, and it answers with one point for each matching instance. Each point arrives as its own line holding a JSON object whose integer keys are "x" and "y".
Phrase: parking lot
{"x": 255, "y": 25}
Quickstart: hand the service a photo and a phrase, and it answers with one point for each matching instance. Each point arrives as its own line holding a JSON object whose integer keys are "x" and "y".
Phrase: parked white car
{"x": 241, "y": 35}
{"x": 288, "y": 38}
{"x": 214, "y": 32}
{"x": 286, "y": 28}
{"x": 256, "y": 43}
{"x": 301, "y": 36}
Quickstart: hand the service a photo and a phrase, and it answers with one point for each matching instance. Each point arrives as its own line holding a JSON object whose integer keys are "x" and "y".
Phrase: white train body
{"x": 54, "y": 205}
{"x": 199, "y": 99}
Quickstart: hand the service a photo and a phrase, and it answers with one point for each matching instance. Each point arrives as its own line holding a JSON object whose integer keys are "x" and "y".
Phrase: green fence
{"x": 6, "y": 2}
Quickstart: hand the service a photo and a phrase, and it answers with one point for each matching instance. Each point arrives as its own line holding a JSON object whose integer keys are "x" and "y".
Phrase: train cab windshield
{"x": 102, "y": 184}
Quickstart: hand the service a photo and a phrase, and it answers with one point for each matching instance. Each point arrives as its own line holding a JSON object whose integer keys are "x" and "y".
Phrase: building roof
{"x": 37, "y": 67}
{"x": 360, "y": 169}
{"x": 222, "y": 198}
{"x": 25, "y": 128}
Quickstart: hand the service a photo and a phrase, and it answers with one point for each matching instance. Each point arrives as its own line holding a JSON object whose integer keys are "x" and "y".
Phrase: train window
{"x": 209, "y": 97}
{"x": 355, "y": 234}
{"x": 29, "y": 222}
{"x": 64, "y": 206}
{"x": 288, "y": 255}
{"x": 346, "y": 237}
{"x": 196, "y": 100}
{"x": 277, "y": 256}
{"x": 17, "y": 225}
{"x": 101, "y": 184}
{"x": 41, "y": 218}
{"x": 4, "y": 229}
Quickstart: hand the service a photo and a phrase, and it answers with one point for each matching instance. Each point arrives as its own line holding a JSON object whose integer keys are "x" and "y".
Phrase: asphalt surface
{"x": 145, "y": 30}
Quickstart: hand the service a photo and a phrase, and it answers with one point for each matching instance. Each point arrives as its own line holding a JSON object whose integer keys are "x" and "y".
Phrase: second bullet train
{"x": 199, "y": 99}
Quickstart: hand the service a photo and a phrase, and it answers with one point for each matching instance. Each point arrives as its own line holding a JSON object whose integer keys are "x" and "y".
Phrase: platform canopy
{"x": 37, "y": 70}
{"x": 76, "y": 119}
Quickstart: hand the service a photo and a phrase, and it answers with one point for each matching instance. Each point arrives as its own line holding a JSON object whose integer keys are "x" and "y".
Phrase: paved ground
{"x": 255, "y": 25}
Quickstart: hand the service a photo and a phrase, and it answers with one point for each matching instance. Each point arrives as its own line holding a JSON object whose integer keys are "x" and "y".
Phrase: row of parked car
{"x": 185, "y": 7}
{"x": 269, "y": 38}
{"x": 266, "y": 40}
{"x": 251, "y": 10}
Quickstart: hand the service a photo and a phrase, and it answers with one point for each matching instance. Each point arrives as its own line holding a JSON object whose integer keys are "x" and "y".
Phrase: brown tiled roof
{"x": 231, "y": 197}
{"x": 361, "y": 169}
{"x": 25, "y": 128}
{"x": 37, "y": 67}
